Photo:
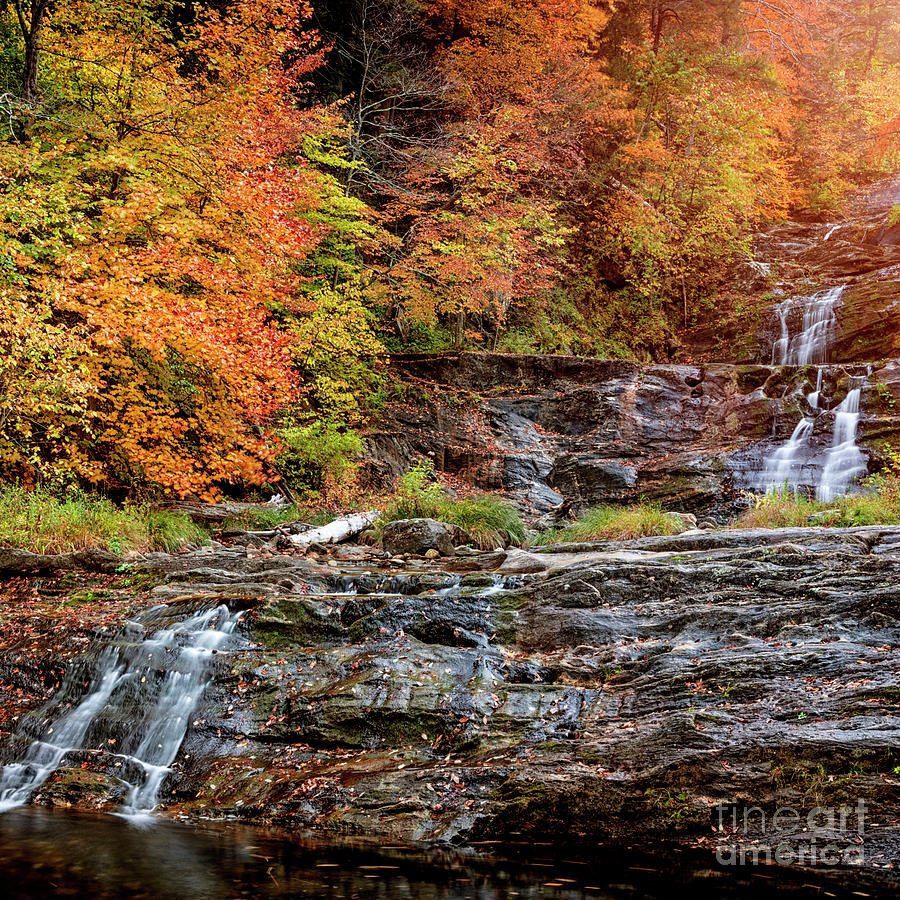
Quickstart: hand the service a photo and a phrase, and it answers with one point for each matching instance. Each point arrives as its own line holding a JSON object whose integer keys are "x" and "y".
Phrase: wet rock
{"x": 640, "y": 677}
{"x": 861, "y": 252}
{"x": 684, "y": 520}
{"x": 241, "y": 537}
{"x": 476, "y": 562}
{"x": 417, "y": 536}
{"x": 521, "y": 562}
{"x": 352, "y": 553}
{"x": 75, "y": 787}
{"x": 591, "y": 431}
{"x": 593, "y": 479}
{"x": 627, "y": 690}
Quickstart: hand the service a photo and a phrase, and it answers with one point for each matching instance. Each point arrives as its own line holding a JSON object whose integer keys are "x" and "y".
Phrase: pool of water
{"x": 45, "y": 853}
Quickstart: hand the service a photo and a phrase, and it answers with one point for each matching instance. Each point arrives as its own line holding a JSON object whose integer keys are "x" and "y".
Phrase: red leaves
{"x": 191, "y": 225}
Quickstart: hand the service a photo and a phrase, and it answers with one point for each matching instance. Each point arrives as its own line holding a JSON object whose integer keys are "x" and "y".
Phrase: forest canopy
{"x": 218, "y": 218}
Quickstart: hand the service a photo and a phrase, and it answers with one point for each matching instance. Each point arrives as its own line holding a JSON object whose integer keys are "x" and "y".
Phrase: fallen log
{"x": 207, "y": 513}
{"x": 336, "y": 531}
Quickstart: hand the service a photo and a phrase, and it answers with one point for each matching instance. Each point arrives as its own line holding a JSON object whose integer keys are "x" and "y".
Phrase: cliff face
{"x": 545, "y": 428}
{"x": 859, "y": 250}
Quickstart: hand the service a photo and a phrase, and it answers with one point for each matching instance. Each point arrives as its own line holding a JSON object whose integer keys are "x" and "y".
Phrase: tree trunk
{"x": 30, "y": 93}
{"x": 339, "y": 530}
{"x": 31, "y": 17}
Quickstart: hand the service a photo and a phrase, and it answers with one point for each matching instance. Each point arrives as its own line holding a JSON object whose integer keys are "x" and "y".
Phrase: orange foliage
{"x": 196, "y": 246}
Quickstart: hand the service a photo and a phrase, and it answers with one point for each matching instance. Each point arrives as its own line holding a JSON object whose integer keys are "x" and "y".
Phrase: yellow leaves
{"x": 176, "y": 220}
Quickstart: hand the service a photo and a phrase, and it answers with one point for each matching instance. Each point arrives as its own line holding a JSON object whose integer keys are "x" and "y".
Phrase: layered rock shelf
{"x": 615, "y": 691}
{"x": 545, "y": 428}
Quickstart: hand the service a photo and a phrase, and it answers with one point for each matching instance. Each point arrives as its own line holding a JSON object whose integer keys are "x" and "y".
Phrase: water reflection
{"x": 53, "y": 854}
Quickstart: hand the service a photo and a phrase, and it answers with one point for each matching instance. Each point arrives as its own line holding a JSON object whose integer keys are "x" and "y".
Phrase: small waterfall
{"x": 783, "y": 467}
{"x": 793, "y": 466}
{"x": 781, "y": 472}
{"x": 815, "y": 396}
{"x": 845, "y": 461}
{"x": 813, "y": 342}
{"x": 133, "y": 702}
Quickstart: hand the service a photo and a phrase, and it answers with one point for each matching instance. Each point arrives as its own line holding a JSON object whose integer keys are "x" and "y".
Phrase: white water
{"x": 792, "y": 465}
{"x": 781, "y": 473}
{"x": 136, "y": 707}
{"x": 845, "y": 461}
{"x": 810, "y": 346}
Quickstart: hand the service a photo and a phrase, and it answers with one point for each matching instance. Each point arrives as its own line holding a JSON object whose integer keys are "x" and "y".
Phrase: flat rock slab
{"x": 14, "y": 561}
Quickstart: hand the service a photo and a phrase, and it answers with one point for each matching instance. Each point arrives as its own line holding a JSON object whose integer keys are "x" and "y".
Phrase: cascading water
{"x": 811, "y": 344}
{"x": 793, "y": 466}
{"x": 133, "y": 702}
{"x": 845, "y": 460}
{"x": 781, "y": 467}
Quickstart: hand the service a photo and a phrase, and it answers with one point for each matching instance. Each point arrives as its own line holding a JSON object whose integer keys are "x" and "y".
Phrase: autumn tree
{"x": 174, "y": 207}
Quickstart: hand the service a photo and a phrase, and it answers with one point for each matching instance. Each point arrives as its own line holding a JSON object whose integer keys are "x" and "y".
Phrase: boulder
{"x": 521, "y": 562}
{"x": 418, "y": 536}
{"x": 685, "y": 520}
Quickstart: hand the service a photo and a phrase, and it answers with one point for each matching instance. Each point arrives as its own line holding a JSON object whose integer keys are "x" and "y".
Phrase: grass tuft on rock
{"x": 618, "y": 523}
{"x": 489, "y": 520}
{"x": 786, "y": 511}
{"x": 486, "y": 519}
{"x": 42, "y": 522}
{"x": 169, "y": 531}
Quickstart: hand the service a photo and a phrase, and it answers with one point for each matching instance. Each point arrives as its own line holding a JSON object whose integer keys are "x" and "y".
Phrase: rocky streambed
{"x": 682, "y": 689}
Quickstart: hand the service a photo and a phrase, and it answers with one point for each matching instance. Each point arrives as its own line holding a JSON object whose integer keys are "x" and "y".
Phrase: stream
{"x": 132, "y": 698}
{"x": 59, "y": 854}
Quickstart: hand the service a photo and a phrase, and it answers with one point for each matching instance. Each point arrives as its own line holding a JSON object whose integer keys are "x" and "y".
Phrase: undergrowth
{"x": 784, "y": 511}
{"x": 42, "y": 522}
{"x": 489, "y": 520}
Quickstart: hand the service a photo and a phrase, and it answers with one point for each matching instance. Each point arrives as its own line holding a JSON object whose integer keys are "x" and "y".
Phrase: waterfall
{"x": 813, "y": 342}
{"x": 845, "y": 460}
{"x": 811, "y": 345}
{"x": 133, "y": 702}
{"x": 815, "y": 396}
{"x": 781, "y": 467}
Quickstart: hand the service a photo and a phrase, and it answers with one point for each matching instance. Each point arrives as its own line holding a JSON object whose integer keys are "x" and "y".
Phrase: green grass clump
{"x": 45, "y": 523}
{"x": 787, "y": 510}
{"x": 170, "y": 531}
{"x": 264, "y": 518}
{"x": 484, "y": 518}
{"x": 618, "y": 523}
